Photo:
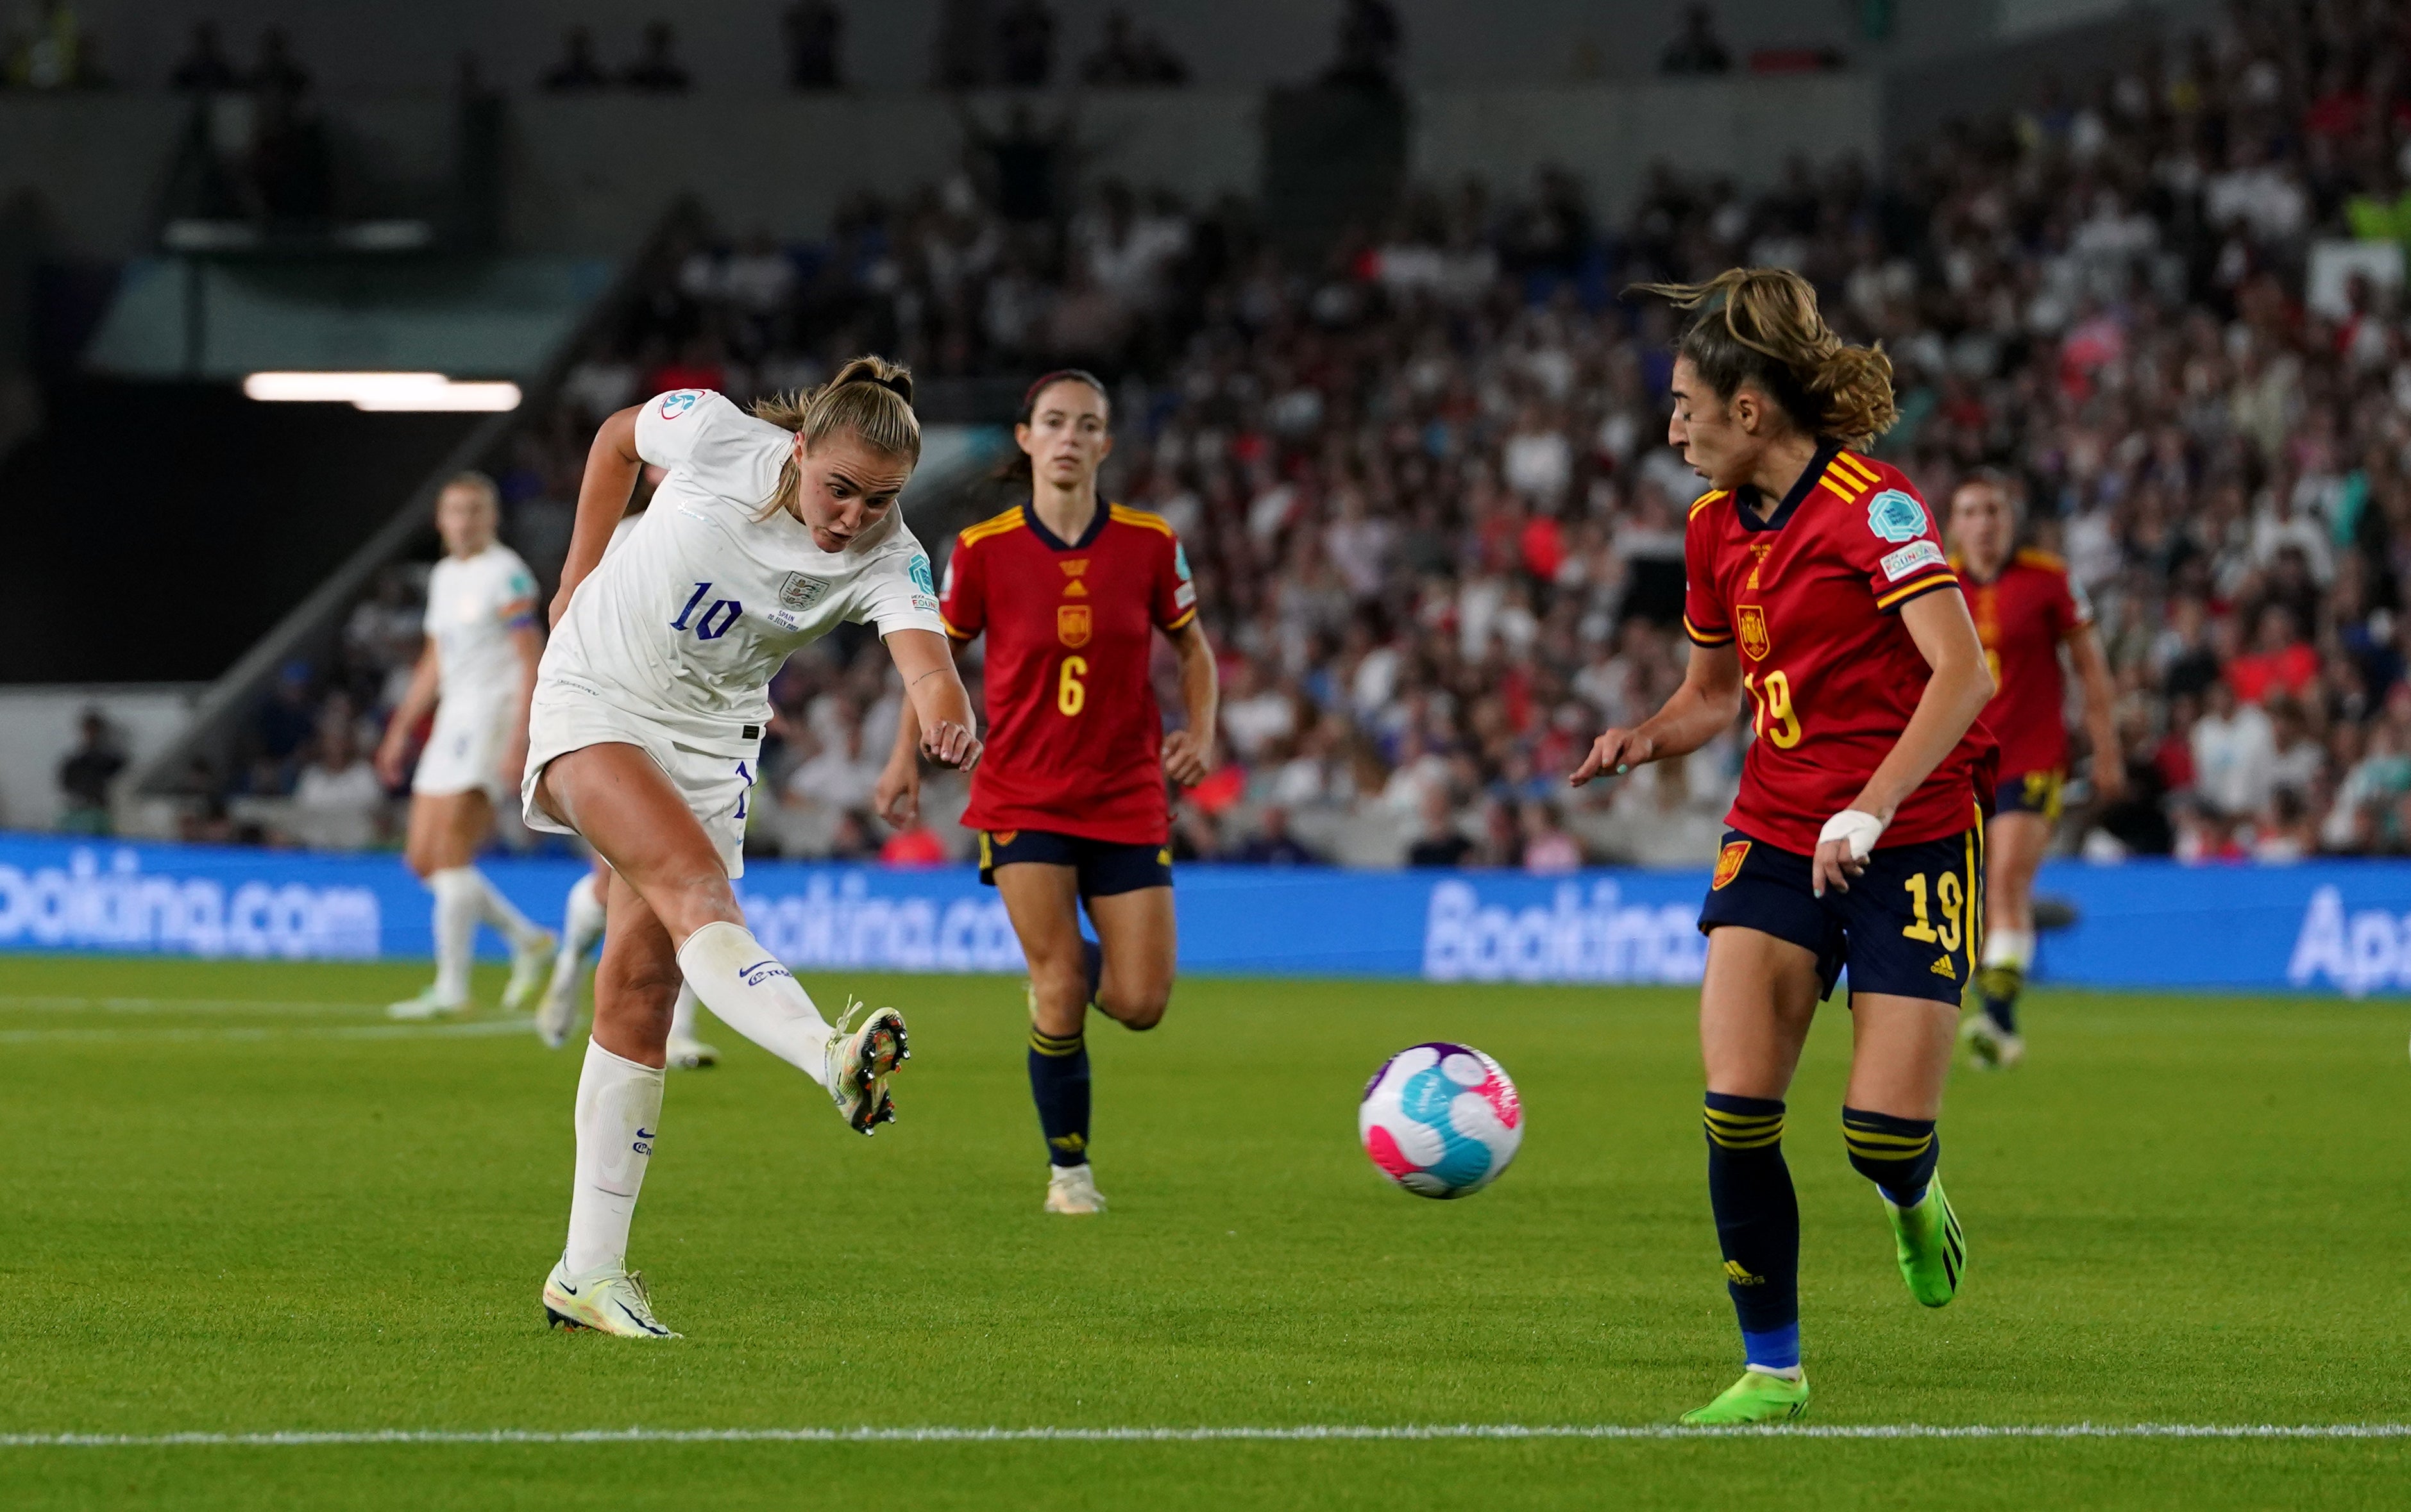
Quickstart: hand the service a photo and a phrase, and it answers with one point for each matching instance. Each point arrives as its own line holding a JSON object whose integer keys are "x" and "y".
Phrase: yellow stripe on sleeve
{"x": 1703, "y": 501}
{"x": 1846, "y": 494}
{"x": 1944, "y": 578}
{"x": 1866, "y": 474}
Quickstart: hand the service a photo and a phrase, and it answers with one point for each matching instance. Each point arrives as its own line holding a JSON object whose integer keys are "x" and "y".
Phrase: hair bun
{"x": 899, "y": 384}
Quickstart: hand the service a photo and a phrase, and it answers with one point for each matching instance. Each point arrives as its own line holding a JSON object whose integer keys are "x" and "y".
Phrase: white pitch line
{"x": 25, "y": 1003}
{"x": 478, "y": 1029}
{"x": 304, "y": 1438}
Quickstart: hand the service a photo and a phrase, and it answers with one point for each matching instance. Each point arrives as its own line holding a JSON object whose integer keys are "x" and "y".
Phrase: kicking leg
{"x": 625, "y": 806}
{"x": 1900, "y": 1056}
{"x": 1042, "y": 901}
{"x": 1756, "y": 1003}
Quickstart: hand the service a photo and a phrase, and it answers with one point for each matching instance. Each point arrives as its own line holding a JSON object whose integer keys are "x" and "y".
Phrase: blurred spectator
{"x": 1127, "y": 58}
{"x": 1366, "y": 53}
{"x": 2234, "y": 755}
{"x": 1024, "y": 44}
{"x": 52, "y": 51}
{"x": 1548, "y": 849}
{"x": 1440, "y": 842}
{"x": 1697, "y": 50}
{"x": 86, "y": 775}
{"x": 657, "y": 71}
{"x": 278, "y": 74}
{"x": 1271, "y": 844}
{"x": 813, "y": 31}
{"x": 337, "y": 803}
{"x": 284, "y": 724}
{"x": 579, "y": 68}
{"x": 1022, "y": 164}
{"x": 205, "y": 70}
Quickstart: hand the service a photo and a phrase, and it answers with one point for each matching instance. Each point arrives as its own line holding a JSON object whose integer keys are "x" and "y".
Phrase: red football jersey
{"x": 2023, "y": 616}
{"x": 1074, "y": 736}
{"x": 1812, "y": 595}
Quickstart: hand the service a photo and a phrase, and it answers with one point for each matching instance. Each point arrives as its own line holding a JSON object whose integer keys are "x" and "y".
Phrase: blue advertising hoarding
{"x": 2327, "y": 926}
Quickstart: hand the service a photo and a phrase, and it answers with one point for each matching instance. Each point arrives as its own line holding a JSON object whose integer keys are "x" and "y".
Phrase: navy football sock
{"x": 1897, "y": 1153}
{"x": 1758, "y": 1225}
{"x": 1058, "y": 1084}
{"x": 1996, "y": 991}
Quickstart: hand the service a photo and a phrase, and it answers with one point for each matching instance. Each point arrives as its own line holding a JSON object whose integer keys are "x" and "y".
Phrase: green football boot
{"x": 1756, "y": 1397}
{"x": 1932, "y": 1249}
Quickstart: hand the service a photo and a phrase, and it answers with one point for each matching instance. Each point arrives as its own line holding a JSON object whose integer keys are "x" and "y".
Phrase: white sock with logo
{"x": 619, "y": 1109}
{"x": 682, "y": 1015}
{"x": 499, "y": 912}
{"x": 457, "y": 908}
{"x": 753, "y": 994}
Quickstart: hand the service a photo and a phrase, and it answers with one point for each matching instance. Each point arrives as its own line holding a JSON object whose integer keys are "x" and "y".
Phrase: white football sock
{"x": 2008, "y": 946}
{"x": 499, "y": 912}
{"x": 682, "y": 1014}
{"x": 753, "y": 994}
{"x": 581, "y": 925}
{"x": 619, "y": 1110}
{"x": 457, "y": 908}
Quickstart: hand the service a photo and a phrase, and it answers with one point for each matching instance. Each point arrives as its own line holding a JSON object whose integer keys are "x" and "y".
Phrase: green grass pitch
{"x": 236, "y": 1201}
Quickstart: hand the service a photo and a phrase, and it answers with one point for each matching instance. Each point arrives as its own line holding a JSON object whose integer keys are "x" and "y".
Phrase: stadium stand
{"x": 1438, "y": 538}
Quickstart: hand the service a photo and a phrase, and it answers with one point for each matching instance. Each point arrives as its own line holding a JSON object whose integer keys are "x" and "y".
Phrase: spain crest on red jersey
{"x": 1071, "y": 623}
{"x": 1751, "y": 621}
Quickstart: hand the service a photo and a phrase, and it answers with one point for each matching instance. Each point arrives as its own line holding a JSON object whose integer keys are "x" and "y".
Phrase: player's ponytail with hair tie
{"x": 869, "y": 399}
{"x": 1760, "y": 327}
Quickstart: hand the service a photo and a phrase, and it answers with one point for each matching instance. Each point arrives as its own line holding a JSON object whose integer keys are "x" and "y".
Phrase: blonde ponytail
{"x": 869, "y": 399}
{"x": 1760, "y": 327}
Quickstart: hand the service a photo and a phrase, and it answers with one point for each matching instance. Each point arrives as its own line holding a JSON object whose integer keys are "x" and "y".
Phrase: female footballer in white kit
{"x": 770, "y": 530}
{"x": 477, "y": 670}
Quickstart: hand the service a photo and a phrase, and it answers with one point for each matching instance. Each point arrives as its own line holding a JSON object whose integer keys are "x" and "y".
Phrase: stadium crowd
{"x": 1437, "y": 536}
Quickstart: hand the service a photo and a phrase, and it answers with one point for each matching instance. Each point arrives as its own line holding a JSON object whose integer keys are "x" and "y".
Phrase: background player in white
{"x": 770, "y": 529}
{"x": 477, "y": 672}
{"x": 584, "y": 915}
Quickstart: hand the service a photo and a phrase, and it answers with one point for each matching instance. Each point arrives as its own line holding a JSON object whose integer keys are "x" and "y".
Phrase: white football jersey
{"x": 686, "y": 622}
{"x": 472, "y": 606}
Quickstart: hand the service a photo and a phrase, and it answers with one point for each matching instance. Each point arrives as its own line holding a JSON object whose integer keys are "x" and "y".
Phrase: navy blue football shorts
{"x": 2030, "y": 793}
{"x": 1104, "y": 866}
{"x": 1909, "y": 925}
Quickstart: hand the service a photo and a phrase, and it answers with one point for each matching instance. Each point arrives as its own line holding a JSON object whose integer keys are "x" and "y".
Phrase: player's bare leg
{"x": 1141, "y": 939}
{"x": 1900, "y": 1056}
{"x": 440, "y": 847}
{"x": 2014, "y": 844}
{"x": 1757, "y": 1000}
{"x": 622, "y": 803}
{"x": 1044, "y": 903}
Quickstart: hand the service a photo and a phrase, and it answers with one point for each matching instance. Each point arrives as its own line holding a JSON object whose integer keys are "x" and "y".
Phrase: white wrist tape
{"x": 1861, "y": 829}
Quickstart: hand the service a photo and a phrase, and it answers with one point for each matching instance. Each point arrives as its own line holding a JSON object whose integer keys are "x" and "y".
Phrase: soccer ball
{"x": 1440, "y": 1120}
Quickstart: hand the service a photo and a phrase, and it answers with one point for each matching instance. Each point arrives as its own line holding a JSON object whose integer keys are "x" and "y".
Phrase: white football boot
{"x": 688, "y": 1054}
{"x": 1991, "y": 1046}
{"x": 429, "y": 1004}
{"x": 556, "y": 1015}
{"x": 607, "y": 1300}
{"x": 530, "y": 968}
{"x": 859, "y": 1063}
{"x": 1072, "y": 1189}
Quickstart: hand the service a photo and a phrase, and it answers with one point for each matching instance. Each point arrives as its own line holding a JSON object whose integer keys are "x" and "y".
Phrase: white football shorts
{"x": 464, "y": 750}
{"x": 717, "y": 788}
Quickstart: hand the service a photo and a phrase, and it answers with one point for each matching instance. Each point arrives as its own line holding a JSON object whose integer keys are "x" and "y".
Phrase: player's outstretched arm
{"x": 1708, "y": 701}
{"x": 611, "y": 468}
{"x": 528, "y": 646}
{"x": 935, "y": 699}
{"x": 2100, "y": 698}
{"x": 1189, "y": 752}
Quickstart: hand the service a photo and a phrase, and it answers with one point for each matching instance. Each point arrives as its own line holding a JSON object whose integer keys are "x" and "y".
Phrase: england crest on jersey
{"x": 802, "y": 592}
{"x": 1896, "y": 516}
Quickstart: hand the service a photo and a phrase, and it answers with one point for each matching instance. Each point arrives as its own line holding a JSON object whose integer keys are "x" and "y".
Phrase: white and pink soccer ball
{"x": 1441, "y": 1120}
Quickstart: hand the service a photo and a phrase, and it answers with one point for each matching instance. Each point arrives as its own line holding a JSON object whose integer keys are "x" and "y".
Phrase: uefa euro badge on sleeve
{"x": 1896, "y": 516}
